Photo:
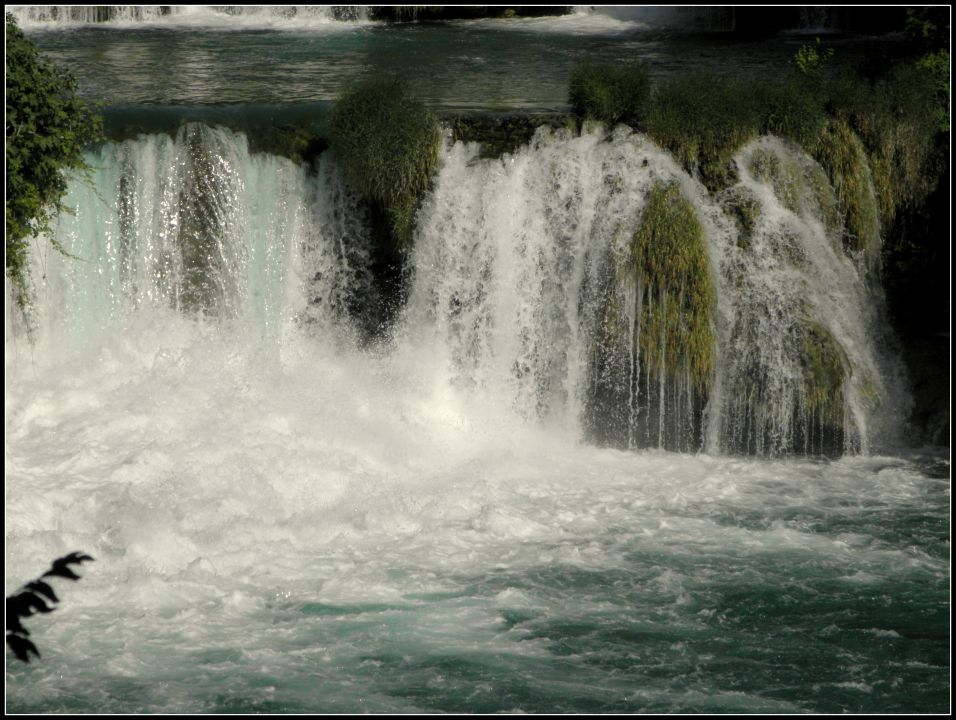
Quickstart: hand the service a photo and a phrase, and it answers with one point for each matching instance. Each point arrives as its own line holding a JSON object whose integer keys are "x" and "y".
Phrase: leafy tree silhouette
{"x": 33, "y": 598}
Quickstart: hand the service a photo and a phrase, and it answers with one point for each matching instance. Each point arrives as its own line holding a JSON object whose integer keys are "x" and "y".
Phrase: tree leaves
{"x": 33, "y": 598}
{"x": 47, "y": 127}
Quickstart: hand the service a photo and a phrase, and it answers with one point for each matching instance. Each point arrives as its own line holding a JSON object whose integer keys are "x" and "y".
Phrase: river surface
{"x": 516, "y": 64}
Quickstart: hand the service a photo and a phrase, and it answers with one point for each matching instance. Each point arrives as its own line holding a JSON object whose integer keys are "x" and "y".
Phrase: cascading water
{"x": 513, "y": 281}
{"x": 288, "y": 518}
{"x": 512, "y": 255}
{"x": 74, "y": 15}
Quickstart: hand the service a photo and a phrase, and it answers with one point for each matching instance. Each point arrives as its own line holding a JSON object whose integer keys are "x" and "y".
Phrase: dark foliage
{"x": 47, "y": 127}
{"x": 609, "y": 93}
{"x": 33, "y": 598}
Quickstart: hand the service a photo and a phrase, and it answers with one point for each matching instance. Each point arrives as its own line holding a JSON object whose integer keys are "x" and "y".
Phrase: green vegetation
{"x": 799, "y": 186}
{"x": 501, "y": 134}
{"x": 668, "y": 259}
{"x": 811, "y": 59}
{"x": 897, "y": 118}
{"x": 300, "y": 143}
{"x": 742, "y": 206}
{"x": 703, "y": 120}
{"x": 657, "y": 306}
{"x": 47, "y": 128}
{"x": 936, "y": 67}
{"x": 387, "y": 143}
{"x": 824, "y": 365}
{"x": 843, "y": 156}
{"x": 609, "y": 93}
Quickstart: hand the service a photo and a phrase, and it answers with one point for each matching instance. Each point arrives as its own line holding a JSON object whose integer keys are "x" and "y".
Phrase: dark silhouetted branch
{"x": 32, "y": 598}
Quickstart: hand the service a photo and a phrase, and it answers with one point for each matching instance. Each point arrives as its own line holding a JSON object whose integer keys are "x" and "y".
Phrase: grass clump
{"x": 793, "y": 109}
{"x": 388, "y": 144}
{"x": 704, "y": 120}
{"x": 844, "y": 158}
{"x": 609, "y": 93}
{"x": 898, "y": 120}
{"x": 668, "y": 260}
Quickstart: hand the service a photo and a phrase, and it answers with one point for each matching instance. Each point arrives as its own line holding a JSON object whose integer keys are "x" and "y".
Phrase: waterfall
{"x": 225, "y": 16}
{"x": 520, "y": 283}
{"x": 195, "y": 224}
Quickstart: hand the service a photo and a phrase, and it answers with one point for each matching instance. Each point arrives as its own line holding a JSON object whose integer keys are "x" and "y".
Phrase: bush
{"x": 610, "y": 94}
{"x": 47, "y": 128}
{"x": 388, "y": 144}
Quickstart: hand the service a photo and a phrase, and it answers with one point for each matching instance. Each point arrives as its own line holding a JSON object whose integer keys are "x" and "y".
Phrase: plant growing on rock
{"x": 843, "y": 156}
{"x": 387, "y": 143}
{"x": 823, "y": 364}
{"x": 668, "y": 260}
{"x": 608, "y": 93}
{"x": 704, "y": 120}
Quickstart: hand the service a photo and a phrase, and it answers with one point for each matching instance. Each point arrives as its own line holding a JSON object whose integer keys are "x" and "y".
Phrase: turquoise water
{"x": 285, "y": 521}
{"x": 464, "y": 65}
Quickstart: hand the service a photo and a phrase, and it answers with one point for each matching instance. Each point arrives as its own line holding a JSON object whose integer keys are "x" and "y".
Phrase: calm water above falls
{"x": 520, "y": 64}
{"x": 284, "y": 522}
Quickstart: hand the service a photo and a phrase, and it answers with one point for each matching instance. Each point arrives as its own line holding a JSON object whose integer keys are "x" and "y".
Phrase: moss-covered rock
{"x": 204, "y": 218}
{"x": 843, "y": 156}
{"x": 654, "y": 348}
{"x": 824, "y": 365}
{"x": 799, "y": 184}
{"x": 300, "y": 143}
{"x": 743, "y": 207}
{"x": 501, "y": 134}
{"x": 668, "y": 261}
{"x": 387, "y": 143}
{"x": 781, "y": 173}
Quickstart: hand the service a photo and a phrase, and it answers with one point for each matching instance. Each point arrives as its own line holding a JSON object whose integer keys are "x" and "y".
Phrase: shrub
{"x": 47, "y": 128}
{"x": 388, "y": 144}
{"x": 608, "y": 93}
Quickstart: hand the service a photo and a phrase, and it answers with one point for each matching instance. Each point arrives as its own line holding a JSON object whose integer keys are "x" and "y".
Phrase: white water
{"x": 506, "y": 275}
{"x": 243, "y": 17}
{"x": 283, "y": 521}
